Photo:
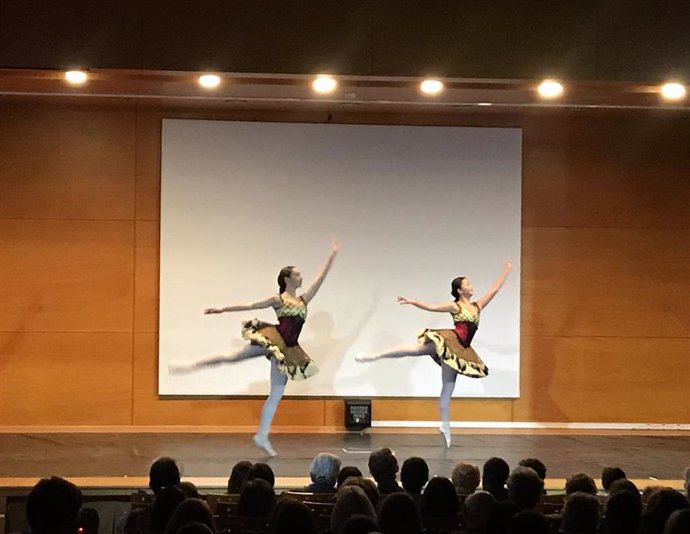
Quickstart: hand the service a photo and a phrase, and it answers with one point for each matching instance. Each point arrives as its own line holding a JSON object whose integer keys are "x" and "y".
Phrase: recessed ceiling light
{"x": 550, "y": 89}
{"x": 673, "y": 91}
{"x": 76, "y": 77}
{"x": 324, "y": 84}
{"x": 431, "y": 87}
{"x": 209, "y": 81}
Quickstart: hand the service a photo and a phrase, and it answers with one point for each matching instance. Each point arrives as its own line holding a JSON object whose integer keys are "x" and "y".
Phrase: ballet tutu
{"x": 449, "y": 350}
{"x": 293, "y": 362}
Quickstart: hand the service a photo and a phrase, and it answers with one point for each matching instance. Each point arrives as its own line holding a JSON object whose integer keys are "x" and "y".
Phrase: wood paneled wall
{"x": 605, "y": 270}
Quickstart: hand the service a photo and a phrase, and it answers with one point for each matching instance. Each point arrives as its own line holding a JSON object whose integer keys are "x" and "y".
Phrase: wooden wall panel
{"x": 66, "y": 163}
{"x": 604, "y": 379}
{"x": 334, "y": 413}
{"x": 605, "y": 271}
{"x": 605, "y": 282}
{"x": 66, "y": 276}
{"x": 146, "y": 282}
{"x": 604, "y": 315}
{"x": 148, "y": 165}
{"x": 65, "y": 378}
{"x": 603, "y": 171}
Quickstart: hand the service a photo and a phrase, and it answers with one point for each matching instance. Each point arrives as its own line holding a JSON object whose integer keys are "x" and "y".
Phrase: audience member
{"x": 291, "y": 516}
{"x": 581, "y": 514}
{"x": 191, "y": 511}
{"x": 525, "y": 488}
{"x": 260, "y": 470}
{"x": 439, "y": 499}
{"x": 383, "y": 466}
{"x": 399, "y": 515}
{"x": 580, "y": 482}
{"x": 609, "y": 475}
{"x": 660, "y": 505}
{"x": 324, "y": 473}
{"x": 163, "y": 506}
{"x": 414, "y": 475}
{"x": 350, "y": 500}
{"x": 347, "y": 472}
{"x": 52, "y": 507}
{"x": 237, "y": 475}
{"x": 465, "y": 478}
{"x": 257, "y": 499}
{"x": 494, "y": 477}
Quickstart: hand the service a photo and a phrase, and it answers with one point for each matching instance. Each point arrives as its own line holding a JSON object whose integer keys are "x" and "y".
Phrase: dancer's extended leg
{"x": 448, "y": 377}
{"x": 427, "y": 349}
{"x": 217, "y": 358}
{"x": 278, "y": 382}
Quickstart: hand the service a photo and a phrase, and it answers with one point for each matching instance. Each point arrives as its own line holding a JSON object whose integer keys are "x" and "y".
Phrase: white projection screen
{"x": 413, "y": 207}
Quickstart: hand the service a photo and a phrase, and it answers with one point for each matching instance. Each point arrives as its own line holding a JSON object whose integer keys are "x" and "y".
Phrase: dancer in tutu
{"x": 279, "y": 343}
{"x": 450, "y": 348}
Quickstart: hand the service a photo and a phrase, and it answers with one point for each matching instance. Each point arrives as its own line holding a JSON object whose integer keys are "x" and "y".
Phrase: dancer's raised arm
{"x": 314, "y": 287}
{"x": 483, "y": 301}
{"x": 449, "y": 307}
{"x": 270, "y": 302}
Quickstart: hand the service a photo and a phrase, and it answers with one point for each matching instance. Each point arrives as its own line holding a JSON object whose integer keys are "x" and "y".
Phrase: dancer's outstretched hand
{"x": 335, "y": 246}
{"x": 403, "y": 300}
{"x": 508, "y": 266}
{"x": 209, "y": 311}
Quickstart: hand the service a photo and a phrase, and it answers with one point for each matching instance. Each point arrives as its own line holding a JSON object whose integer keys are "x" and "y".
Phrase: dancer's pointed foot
{"x": 444, "y": 429}
{"x": 263, "y": 443}
{"x": 176, "y": 367}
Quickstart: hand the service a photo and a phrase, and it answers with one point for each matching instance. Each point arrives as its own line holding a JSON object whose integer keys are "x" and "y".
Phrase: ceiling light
{"x": 673, "y": 91}
{"x": 76, "y": 77}
{"x": 550, "y": 89}
{"x": 431, "y": 87}
{"x": 324, "y": 84}
{"x": 209, "y": 81}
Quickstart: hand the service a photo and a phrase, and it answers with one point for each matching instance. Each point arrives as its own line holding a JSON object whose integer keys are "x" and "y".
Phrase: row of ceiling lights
{"x": 324, "y": 84}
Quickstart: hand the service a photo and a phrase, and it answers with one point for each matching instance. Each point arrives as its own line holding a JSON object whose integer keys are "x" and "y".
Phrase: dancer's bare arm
{"x": 270, "y": 302}
{"x": 448, "y": 307}
{"x": 311, "y": 291}
{"x": 498, "y": 284}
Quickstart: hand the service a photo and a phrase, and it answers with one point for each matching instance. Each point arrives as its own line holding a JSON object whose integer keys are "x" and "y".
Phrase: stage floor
{"x": 122, "y": 459}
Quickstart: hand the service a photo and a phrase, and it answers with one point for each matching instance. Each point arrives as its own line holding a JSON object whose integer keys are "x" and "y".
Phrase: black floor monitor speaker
{"x": 357, "y": 414}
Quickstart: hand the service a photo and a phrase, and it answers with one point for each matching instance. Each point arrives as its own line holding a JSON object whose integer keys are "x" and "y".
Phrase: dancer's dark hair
{"x": 455, "y": 287}
{"x": 284, "y": 273}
